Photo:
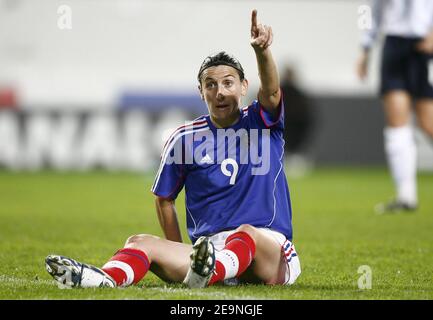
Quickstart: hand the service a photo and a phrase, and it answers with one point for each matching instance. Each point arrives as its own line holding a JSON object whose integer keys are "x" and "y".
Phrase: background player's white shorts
{"x": 287, "y": 249}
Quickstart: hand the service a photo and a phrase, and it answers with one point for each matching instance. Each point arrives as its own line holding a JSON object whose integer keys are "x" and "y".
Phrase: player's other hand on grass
{"x": 362, "y": 66}
{"x": 261, "y": 35}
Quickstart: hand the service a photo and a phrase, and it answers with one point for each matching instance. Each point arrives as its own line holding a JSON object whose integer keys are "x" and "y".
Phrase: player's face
{"x": 222, "y": 90}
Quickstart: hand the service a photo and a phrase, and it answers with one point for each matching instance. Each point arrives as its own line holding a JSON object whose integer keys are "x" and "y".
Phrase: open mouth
{"x": 222, "y": 106}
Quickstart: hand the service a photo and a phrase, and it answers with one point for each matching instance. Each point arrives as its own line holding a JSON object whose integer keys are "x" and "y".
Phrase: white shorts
{"x": 287, "y": 249}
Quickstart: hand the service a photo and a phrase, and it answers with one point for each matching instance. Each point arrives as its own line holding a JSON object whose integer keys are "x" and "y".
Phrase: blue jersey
{"x": 232, "y": 176}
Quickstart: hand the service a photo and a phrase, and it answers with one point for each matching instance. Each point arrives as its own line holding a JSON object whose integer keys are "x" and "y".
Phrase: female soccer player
{"x": 237, "y": 199}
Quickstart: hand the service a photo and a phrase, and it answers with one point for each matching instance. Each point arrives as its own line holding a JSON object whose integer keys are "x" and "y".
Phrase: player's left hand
{"x": 261, "y": 35}
{"x": 426, "y": 45}
{"x": 362, "y": 66}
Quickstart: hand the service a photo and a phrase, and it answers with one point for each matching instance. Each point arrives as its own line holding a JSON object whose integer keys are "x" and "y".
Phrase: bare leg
{"x": 400, "y": 149}
{"x": 424, "y": 110}
{"x": 397, "y": 105}
{"x": 269, "y": 265}
{"x": 169, "y": 260}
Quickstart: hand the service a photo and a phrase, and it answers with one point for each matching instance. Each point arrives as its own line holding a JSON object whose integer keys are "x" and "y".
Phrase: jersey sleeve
{"x": 369, "y": 35}
{"x": 266, "y": 120}
{"x": 170, "y": 177}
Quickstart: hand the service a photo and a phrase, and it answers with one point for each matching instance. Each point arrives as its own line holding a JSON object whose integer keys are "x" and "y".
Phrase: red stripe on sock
{"x": 244, "y": 247}
{"x": 136, "y": 259}
{"x": 219, "y": 273}
{"x": 241, "y": 244}
{"x": 117, "y": 274}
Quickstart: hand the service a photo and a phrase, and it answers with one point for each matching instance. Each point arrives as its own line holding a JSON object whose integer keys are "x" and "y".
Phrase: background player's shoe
{"x": 71, "y": 273}
{"x": 202, "y": 264}
{"x": 395, "y": 206}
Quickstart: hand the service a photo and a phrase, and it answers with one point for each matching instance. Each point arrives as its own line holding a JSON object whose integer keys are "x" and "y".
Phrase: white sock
{"x": 400, "y": 149}
{"x": 230, "y": 261}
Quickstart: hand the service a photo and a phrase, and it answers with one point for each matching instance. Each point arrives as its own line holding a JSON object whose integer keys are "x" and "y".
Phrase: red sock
{"x": 128, "y": 266}
{"x": 235, "y": 258}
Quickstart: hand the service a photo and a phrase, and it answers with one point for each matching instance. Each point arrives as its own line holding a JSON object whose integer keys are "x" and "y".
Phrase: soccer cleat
{"x": 202, "y": 264}
{"x": 395, "y": 206}
{"x": 71, "y": 273}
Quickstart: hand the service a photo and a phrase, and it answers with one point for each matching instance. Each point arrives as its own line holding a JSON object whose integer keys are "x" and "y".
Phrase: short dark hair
{"x": 221, "y": 58}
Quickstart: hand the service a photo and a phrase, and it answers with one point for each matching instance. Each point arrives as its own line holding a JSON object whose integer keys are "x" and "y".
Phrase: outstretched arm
{"x": 261, "y": 38}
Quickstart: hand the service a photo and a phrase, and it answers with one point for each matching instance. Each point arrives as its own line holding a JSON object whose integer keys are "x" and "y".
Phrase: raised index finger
{"x": 254, "y": 20}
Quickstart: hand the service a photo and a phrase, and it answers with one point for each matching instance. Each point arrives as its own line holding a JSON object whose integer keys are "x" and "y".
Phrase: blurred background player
{"x": 245, "y": 216}
{"x": 299, "y": 121}
{"x": 408, "y": 45}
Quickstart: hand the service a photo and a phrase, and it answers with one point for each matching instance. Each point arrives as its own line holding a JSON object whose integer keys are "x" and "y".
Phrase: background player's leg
{"x": 169, "y": 260}
{"x": 397, "y": 105}
{"x": 424, "y": 110}
{"x": 400, "y": 147}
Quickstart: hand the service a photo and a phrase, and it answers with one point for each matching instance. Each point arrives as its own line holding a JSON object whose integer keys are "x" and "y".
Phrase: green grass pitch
{"x": 89, "y": 216}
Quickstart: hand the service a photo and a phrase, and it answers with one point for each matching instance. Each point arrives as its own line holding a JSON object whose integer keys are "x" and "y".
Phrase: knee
{"x": 248, "y": 229}
{"x": 140, "y": 240}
